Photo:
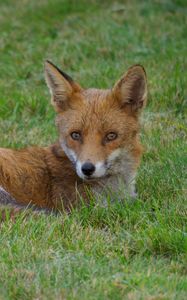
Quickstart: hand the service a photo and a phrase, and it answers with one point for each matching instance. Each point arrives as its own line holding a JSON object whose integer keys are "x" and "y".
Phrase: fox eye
{"x": 111, "y": 136}
{"x": 76, "y": 135}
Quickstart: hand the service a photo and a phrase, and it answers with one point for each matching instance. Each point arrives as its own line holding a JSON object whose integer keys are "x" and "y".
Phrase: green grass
{"x": 125, "y": 251}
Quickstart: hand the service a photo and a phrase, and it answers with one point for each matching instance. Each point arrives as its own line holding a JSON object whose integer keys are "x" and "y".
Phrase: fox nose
{"x": 88, "y": 168}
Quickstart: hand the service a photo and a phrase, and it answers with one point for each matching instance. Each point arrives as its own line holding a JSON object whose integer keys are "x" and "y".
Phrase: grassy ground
{"x": 126, "y": 251}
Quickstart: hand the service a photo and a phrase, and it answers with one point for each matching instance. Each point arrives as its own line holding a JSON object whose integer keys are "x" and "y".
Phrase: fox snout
{"x": 89, "y": 170}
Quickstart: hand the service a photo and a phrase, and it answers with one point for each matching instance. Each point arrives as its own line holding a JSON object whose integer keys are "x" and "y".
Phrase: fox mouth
{"x": 92, "y": 178}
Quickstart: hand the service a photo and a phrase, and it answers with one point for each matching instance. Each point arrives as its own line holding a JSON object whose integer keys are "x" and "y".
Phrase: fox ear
{"x": 61, "y": 86}
{"x": 131, "y": 89}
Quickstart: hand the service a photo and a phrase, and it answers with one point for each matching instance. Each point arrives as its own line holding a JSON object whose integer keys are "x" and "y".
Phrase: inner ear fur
{"x": 61, "y": 86}
{"x": 131, "y": 89}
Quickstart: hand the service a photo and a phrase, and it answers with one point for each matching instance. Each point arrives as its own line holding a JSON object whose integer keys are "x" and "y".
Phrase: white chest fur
{"x": 120, "y": 179}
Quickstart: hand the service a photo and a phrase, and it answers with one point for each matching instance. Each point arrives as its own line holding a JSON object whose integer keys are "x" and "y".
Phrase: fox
{"x": 98, "y": 148}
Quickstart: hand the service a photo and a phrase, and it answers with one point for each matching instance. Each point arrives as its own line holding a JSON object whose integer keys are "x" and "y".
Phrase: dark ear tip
{"x": 48, "y": 62}
{"x": 138, "y": 68}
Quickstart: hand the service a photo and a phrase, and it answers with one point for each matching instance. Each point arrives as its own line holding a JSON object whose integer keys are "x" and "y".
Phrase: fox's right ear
{"x": 61, "y": 86}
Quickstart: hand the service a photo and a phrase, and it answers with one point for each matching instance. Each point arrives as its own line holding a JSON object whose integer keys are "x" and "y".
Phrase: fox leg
{"x": 131, "y": 188}
{"x": 130, "y": 183}
{"x": 6, "y": 198}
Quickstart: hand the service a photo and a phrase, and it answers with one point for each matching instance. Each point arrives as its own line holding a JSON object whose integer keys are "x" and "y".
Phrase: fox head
{"x": 98, "y": 127}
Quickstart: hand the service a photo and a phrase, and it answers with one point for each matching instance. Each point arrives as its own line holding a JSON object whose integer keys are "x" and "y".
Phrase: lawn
{"x": 125, "y": 251}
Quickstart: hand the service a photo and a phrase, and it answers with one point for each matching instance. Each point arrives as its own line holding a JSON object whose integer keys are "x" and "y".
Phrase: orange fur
{"x": 46, "y": 177}
{"x": 40, "y": 176}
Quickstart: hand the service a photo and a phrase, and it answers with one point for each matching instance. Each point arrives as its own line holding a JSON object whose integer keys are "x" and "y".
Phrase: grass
{"x": 125, "y": 251}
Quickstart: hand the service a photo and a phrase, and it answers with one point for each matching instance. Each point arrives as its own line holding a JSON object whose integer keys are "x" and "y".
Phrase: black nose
{"x": 88, "y": 168}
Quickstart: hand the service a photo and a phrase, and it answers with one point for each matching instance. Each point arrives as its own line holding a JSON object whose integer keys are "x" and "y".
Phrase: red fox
{"x": 98, "y": 147}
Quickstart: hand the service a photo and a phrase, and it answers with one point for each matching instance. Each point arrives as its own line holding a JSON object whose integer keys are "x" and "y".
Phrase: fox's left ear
{"x": 131, "y": 89}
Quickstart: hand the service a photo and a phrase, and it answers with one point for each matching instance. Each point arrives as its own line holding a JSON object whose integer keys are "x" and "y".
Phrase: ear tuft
{"x": 131, "y": 89}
